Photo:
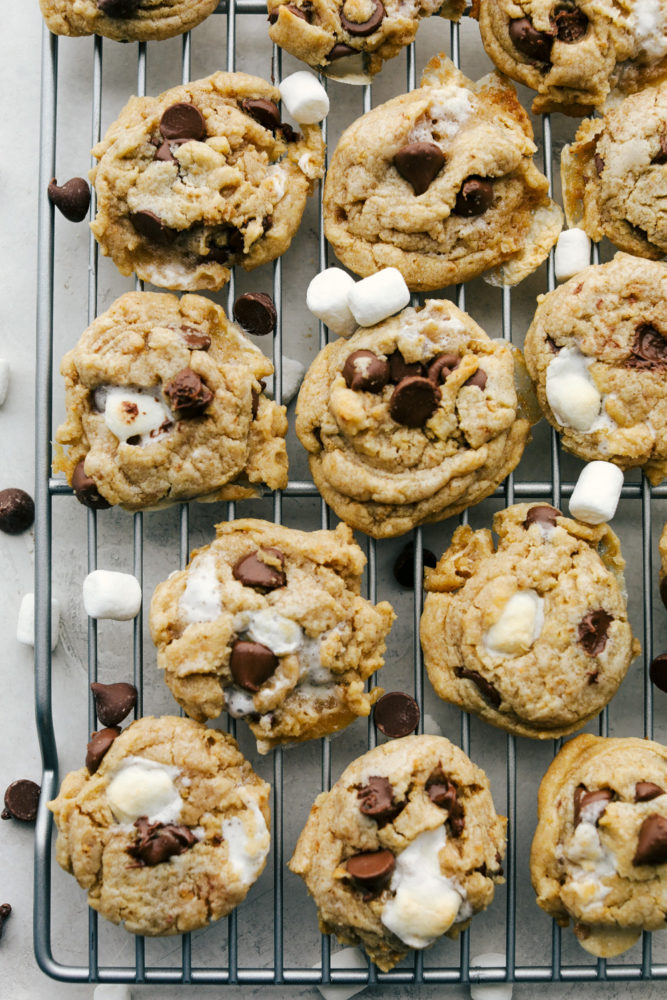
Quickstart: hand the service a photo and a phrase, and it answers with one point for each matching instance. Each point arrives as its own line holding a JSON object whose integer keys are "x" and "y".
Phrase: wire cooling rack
{"x": 291, "y": 947}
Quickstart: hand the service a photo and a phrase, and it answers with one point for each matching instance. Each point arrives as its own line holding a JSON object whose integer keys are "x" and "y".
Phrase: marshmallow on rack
{"x": 379, "y": 296}
{"x": 572, "y": 254}
{"x": 327, "y": 298}
{"x": 4, "y": 380}
{"x": 348, "y": 958}
{"x": 489, "y": 991}
{"x": 111, "y": 595}
{"x": 595, "y": 497}
{"x": 112, "y": 991}
{"x": 25, "y": 625}
{"x": 293, "y": 372}
{"x": 304, "y": 97}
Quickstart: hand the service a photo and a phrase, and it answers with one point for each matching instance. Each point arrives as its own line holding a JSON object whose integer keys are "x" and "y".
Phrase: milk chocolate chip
{"x": 593, "y": 629}
{"x": 652, "y": 841}
{"x": 571, "y": 24}
{"x": 85, "y": 489}
{"x": 196, "y": 339}
{"x": 371, "y": 869}
{"x": 419, "y": 163}
{"x": 157, "y": 842}
{"x": 164, "y": 150}
{"x": 658, "y": 671}
{"x": 17, "y": 511}
{"x": 404, "y": 567}
{"x": 486, "y": 688}
{"x": 377, "y": 800}
{"x": 441, "y": 367}
{"x": 475, "y": 196}
{"x": 444, "y": 793}
{"x": 649, "y": 349}
{"x": 367, "y": 27}
{"x": 340, "y": 51}
{"x": 251, "y": 664}
{"x": 543, "y": 514}
{"x": 396, "y": 714}
{"x": 413, "y": 401}
{"x": 183, "y": 121}
{"x": 661, "y": 157}
{"x": 72, "y": 199}
{"x": 647, "y": 790}
{"x": 292, "y": 8}
{"x": 478, "y": 378}
{"x": 365, "y": 371}
{"x": 530, "y": 42}
{"x": 399, "y": 368}
{"x": 113, "y": 702}
{"x": 187, "y": 394}
{"x": 252, "y": 571}
{"x": 256, "y": 313}
{"x": 583, "y": 798}
{"x": 118, "y": 8}
{"x": 263, "y": 111}
{"x": 98, "y": 746}
{"x": 151, "y": 227}
{"x": 21, "y": 800}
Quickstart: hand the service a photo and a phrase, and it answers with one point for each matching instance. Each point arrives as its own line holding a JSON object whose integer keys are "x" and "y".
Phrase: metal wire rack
{"x": 455, "y": 966}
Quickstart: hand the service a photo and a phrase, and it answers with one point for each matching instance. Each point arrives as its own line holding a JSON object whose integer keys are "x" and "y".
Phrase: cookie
{"x": 200, "y": 178}
{"x": 615, "y": 175}
{"x": 599, "y": 856}
{"x": 164, "y": 403}
{"x": 350, "y": 41}
{"x": 575, "y": 54}
{"x": 440, "y": 183}
{"x": 267, "y": 622}
{"x": 405, "y": 847}
{"x": 597, "y": 353}
{"x": 533, "y": 636}
{"x": 125, "y": 20}
{"x": 166, "y": 832}
{"x": 412, "y": 420}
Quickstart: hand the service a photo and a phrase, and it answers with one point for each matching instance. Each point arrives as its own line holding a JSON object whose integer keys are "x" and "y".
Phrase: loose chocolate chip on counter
{"x": 658, "y": 671}
{"x": 571, "y": 24}
{"x": 21, "y": 800}
{"x": 593, "y": 629}
{"x": 113, "y": 702}
{"x": 530, "y": 42}
{"x": 377, "y": 800}
{"x": 196, "y": 339}
{"x": 151, "y": 226}
{"x": 256, "y": 313}
{"x": 583, "y": 798}
{"x": 652, "y": 841}
{"x": 399, "y": 368}
{"x": 413, "y": 401}
{"x": 475, "y": 196}
{"x": 5, "y": 913}
{"x": 441, "y": 366}
{"x": 98, "y": 745}
{"x": 649, "y": 349}
{"x": 340, "y": 51}
{"x": 396, "y": 714}
{"x": 264, "y": 112}
{"x": 364, "y": 371}
{"x": 444, "y": 794}
{"x": 118, "y": 8}
{"x": 252, "y": 571}
{"x": 72, "y": 199}
{"x": 419, "y": 163}
{"x": 367, "y": 27}
{"x": 663, "y": 590}
{"x": 661, "y": 157}
{"x": 543, "y": 514}
{"x": 157, "y": 842}
{"x": 251, "y": 664}
{"x": 371, "y": 869}
{"x": 486, "y": 688}
{"x": 182, "y": 121}
{"x": 17, "y": 511}
{"x": 647, "y": 790}
{"x": 404, "y": 567}
{"x": 85, "y": 489}
{"x": 478, "y": 378}
{"x": 188, "y": 394}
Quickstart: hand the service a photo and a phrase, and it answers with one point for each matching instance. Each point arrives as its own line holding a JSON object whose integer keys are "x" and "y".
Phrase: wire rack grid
{"x": 189, "y": 971}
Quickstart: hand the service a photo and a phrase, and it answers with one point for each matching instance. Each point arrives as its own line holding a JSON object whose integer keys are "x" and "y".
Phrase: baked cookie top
{"x": 411, "y": 420}
{"x": 615, "y": 175}
{"x": 405, "y": 847}
{"x": 164, "y": 403}
{"x": 441, "y": 184}
{"x": 574, "y": 53}
{"x": 268, "y": 623}
{"x": 169, "y": 831}
{"x": 125, "y": 20}
{"x": 202, "y": 177}
{"x": 599, "y": 855}
{"x": 532, "y": 636}
{"x": 597, "y": 353}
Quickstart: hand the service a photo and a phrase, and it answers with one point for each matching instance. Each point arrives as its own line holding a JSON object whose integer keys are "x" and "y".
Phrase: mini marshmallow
{"x": 112, "y": 991}
{"x": 379, "y": 296}
{"x": 25, "y": 625}
{"x": 571, "y": 392}
{"x": 348, "y": 958}
{"x": 4, "y": 380}
{"x": 293, "y": 372}
{"x": 143, "y": 787}
{"x": 595, "y": 497}
{"x": 489, "y": 991}
{"x": 304, "y": 97}
{"x": 573, "y": 253}
{"x": 327, "y": 298}
{"x": 111, "y": 595}
{"x": 281, "y": 635}
{"x": 128, "y": 413}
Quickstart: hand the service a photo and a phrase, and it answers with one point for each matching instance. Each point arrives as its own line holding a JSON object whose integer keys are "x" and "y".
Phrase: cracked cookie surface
{"x": 164, "y": 403}
{"x": 171, "y": 830}
{"x": 125, "y": 20}
{"x": 533, "y": 637}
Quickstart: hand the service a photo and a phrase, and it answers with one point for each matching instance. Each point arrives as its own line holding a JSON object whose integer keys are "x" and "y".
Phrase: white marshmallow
{"x": 128, "y": 413}
{"x": 143, "y": 787}
{"x": 378, "y": 296}
{"x": 248, "y": 841}
{"x": 489, "y": 991}
{"x": 293, "y": 372}
{"x": 573, "y": 253}
{"x": 571, "y": 392}
{"x": 281, "y": 635}
{"x": 348, "y": 958}
{"x": 112, "y": 991}
{"x": 327, "y": 298}
{"x": 597, "y": 492}
{"x": 519, "y": 625}
{"x": 4, "y": 380}
{"x": 25, "y": 625}
{"x": 304, "y": 97}
{"x": 201, "y": 601}
{"x": 111, "y": 595}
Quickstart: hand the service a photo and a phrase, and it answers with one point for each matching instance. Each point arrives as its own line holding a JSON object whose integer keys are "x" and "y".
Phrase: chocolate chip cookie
{"x": 200, "y": 178}
{"x": 412, "y": 420}
{"x": 532, "y": 636}
{"x": 597, "y": 353}
{"x": 267, "y": 622}
{"x": 166, "y": 828}
{"x": 615, "y": 175}
{"x": 440, "y": 183}
{"x": 164, "y": 403}
{"x": 574, "y": 53}
{"x": 125, "y": 20}
{"x": 599, "y": 856}
{"x": 405, "y": 847}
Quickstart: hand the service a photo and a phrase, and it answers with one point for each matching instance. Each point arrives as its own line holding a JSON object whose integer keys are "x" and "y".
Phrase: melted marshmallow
{"x": 201, "y": 600}
{"x": 248, "y": 841}
{"x": 589, "y": 862}
{"x": 143, "y": 787}
{"x": 133, "y": 412}
{"x": 572, "y": 394}
{"x": 519, "y": 625}
{"x": 649, "y": 28}
{"x": 281, "y": 635}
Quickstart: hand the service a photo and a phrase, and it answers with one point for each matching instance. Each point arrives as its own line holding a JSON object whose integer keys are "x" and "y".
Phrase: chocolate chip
{"x": 196, "y": 339}
{"x": 289, "y": 135}
{"x": 263, "y": 111}
{"x": 72, "y": 199}
{"x": 5, "y": 913}
{"x": 413, "y": 401}
{"x": 118, "y": 8}
{"x": 486, "y": 688}
{"x": 419, "y": 163}
{"x": 364, "y": 28}
{"x": 478, "y": 378}
{"x": 543, "y": 514}
{"x": 475, "y": 196}
{"x": 399, "y": 368}
{"x": 530, "y": 42}
{"x": 98, "y": 745}
{"x": 221, "y": 253}
{"x": 658, "y": 672}
{"x": 340, "y": 51}
{"x": 188, "y": 394}
{"x": 113, "y": 702}
{"x": 404, "y": 567}
{"x": 163, "y": 151}
{"x": 647, "y": 790}
{"x": 571, "y": 24}
{"x": 599, "y": 163}
{"x": 441, "y": 367}
{"x": 553, "y": 346}
{"x": 377, "y": 801}
{"x": 593, "y": 629}
{"x": 252, "y": 571}
{"x": 151, "y": 227}
{"x": 254, "y": 405}
{"x": 663, "y": 590}
{"x": 444, "y": 794}
{"x": 396, "y": 714}
{"x": 371, "y": 869}
{"x": 661, "y": 157}
{"x": 157, "y": 842}
{"x": 273, "y": 16}
{"x": 21, "y": 800}
{"x": 251, "y": 664}
{"x": 17, "y": 511}
{"x": 256, "y": 313}
{"x": 85, "y": 489}
{"x": 649, "y": 349}
{"x": 652, "y": 841}
{"x": 183, "y": 121}
{"x": 583, "y": 798}
{"x": 364, "y": 371}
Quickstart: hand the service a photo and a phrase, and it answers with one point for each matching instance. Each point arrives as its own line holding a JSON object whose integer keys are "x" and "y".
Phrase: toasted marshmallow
{"x": 111, "y": 595}
{"x": 304, "y": 97}
{"x": 598, "y": 489}
{"x": 128, "y": 413}
{"x": 378, "y": 296}
{"x": 327, "y": 298}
